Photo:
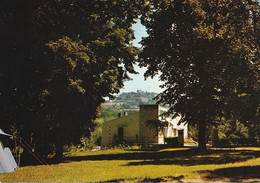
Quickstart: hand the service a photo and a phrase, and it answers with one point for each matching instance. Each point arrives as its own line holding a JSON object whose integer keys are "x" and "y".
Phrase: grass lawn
{"x": 180, "y": 164}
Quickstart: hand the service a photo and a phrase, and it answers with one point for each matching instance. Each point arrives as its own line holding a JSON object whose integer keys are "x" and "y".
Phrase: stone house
{"x": 133, "y": 128}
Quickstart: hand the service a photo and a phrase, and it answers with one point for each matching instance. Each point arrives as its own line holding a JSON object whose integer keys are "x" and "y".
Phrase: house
{"x": 133, "y": 128}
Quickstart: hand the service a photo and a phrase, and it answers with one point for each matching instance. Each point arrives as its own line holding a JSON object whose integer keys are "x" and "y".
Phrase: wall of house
{"x": 182, "y": 126}
{"x": 130, "y": 125}
{"x": 146, "y": 133}
{"x": 174, "y": 127}
{"x": 135, "y": 128}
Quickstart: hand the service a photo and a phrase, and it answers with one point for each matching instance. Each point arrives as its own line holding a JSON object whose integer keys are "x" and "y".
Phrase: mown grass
{"x": 182, "y": 164}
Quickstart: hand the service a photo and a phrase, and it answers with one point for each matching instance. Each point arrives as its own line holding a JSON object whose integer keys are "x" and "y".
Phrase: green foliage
{"x": 238, "y": 133}
{"x": 108, "y": 113}
{"x": 232, "y": 129}
{"x": 205, "y": 54}
{"x": 193, "y": 132}
{"x": 228, "y": 130}
{"x": 59, "y": 59}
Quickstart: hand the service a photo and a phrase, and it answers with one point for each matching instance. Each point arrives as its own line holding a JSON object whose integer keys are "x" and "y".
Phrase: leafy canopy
{"x": 204, "y": 52}
{"x": 59, "y": 59}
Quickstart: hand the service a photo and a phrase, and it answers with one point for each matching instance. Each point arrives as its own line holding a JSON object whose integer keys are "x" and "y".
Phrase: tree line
{"x": 59, "y": 59}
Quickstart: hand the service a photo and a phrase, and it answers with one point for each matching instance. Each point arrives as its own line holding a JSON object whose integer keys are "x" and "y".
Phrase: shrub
{"x": 172, "y": 141}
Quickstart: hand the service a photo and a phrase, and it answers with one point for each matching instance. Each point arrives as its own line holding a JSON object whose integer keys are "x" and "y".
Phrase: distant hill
{"x": 132, "y": 100}
{"x": 128, "y": 101}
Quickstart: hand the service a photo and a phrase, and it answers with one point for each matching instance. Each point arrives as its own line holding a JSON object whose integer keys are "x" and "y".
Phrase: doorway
{"x": 120, "y": 135}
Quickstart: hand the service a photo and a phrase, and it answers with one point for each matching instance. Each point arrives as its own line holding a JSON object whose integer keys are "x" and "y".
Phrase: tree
{"x": 59, "y": 59}
{"x": 247, "y": 109}
{"x": 203, "y": 50}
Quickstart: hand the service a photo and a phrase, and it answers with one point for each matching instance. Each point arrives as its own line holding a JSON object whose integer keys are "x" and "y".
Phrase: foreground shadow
{"x": 235, "y": 174}
{"x": 135, "y": 155}
{"x": 161, "y": 179}
{"x": 188, "y": 157}
{"x": 208, "y": 157}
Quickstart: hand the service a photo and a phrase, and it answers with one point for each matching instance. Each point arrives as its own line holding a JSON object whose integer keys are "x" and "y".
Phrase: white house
{"x": 133, "y": 128}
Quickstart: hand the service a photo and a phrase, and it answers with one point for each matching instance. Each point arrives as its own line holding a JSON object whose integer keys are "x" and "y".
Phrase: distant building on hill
{"x": 139, "y": 91}
{"x": 133, "y": 128}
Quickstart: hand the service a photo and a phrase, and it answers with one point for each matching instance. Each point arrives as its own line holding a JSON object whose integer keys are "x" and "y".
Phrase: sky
{"x": 138, "y": 82}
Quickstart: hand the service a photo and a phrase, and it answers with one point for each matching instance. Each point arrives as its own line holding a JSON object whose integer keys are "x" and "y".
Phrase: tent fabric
{"x": 7, "y": 162}
{"x": 3, "y": 133}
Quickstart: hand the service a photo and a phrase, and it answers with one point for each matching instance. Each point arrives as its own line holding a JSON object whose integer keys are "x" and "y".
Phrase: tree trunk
{"x": 202, "y": 134}
{"x": 59, "y": 152}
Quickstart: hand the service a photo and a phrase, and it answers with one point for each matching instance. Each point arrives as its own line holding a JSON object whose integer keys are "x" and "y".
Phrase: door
{"x": 120, "y": 135}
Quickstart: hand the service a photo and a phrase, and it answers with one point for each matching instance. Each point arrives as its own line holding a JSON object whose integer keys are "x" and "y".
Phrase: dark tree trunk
{"x": 202, "y": 134}
{"x": 59, "y": 152}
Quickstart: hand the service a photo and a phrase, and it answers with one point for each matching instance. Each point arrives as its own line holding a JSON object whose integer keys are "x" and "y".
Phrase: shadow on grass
{"x": 161, "y": 179}
{"x": 208, "y": 157}
{"x": 186, "y": 157}
{"x": 233, "y": 174}
{"x": 135, "y": 155}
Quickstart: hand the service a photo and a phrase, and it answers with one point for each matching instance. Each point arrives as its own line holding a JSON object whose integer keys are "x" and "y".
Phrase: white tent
{"x": 3, "y": 133}
{"x": 7, "y": 162}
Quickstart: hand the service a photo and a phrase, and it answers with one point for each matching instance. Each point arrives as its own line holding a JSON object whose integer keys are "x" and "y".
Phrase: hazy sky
{"x": 138, "y": 82}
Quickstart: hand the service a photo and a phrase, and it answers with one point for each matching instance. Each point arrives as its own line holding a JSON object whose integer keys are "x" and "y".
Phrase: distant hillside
{"x": 129, "y": 102}
{"x": 132, "y": 100}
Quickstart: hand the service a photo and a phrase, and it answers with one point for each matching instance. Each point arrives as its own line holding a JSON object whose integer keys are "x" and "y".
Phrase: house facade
{"x": 133, "y": 128}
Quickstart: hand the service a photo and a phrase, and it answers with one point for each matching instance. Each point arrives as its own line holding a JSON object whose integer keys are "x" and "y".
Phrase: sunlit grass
{"x": 187, "y": 168}
{"x": 174, "y": 149}
{"x": 103, "y": 152}
{"x": 247, "y": 148}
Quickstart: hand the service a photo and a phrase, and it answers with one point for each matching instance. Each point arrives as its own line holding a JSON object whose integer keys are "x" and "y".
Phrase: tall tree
{"x": 203, "y": 50}
{"x": 59, "y": 59}
{"x": 249, "y": 105}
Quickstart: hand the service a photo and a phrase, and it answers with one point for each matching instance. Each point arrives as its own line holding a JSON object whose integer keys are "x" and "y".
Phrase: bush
{"x": 172, "y": 141}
